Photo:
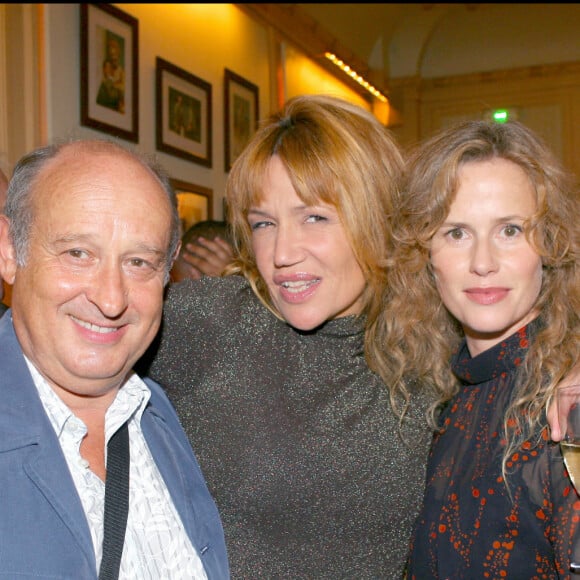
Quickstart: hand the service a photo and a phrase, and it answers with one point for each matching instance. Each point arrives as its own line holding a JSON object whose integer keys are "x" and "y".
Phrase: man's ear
{"x": 7, "y": 253}
{"x": 176, "y": 253}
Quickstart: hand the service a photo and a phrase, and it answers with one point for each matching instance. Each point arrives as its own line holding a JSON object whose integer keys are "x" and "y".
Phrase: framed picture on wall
{"x": 240, "y": 115}
{"x": 183, "y": 114}
{"x": 194, "y": 203}
{"x": 110, "y": 71}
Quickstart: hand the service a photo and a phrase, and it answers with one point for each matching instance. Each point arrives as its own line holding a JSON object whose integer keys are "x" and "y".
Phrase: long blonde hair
{"x": 422, "y": 334}
{"x": 337, "y": 153}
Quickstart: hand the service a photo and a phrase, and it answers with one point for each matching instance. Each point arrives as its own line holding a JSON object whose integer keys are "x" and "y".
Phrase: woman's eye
{"x": 455, "y": 234}
{"x": 258, "y": 225}
{"x": 512, "y": 230}
{"x": 315, "y": 218}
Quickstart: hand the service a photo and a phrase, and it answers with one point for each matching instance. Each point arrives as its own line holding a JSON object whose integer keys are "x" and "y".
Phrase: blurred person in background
{"x": 206, "y": 250}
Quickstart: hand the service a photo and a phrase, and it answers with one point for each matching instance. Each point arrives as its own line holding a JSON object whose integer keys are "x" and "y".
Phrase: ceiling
{"x": 430, "y": 39}
{"x": 361, "y": 27}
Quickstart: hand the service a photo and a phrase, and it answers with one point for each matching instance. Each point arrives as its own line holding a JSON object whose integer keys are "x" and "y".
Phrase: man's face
{"x": 88, "y": 301}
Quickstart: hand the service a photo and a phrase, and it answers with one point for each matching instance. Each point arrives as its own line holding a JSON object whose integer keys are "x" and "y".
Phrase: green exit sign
{"x": 501, "y": 115}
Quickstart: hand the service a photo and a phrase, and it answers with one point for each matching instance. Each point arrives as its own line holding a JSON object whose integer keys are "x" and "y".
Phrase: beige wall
{"x": 303, "y": 76}
{"x": 42, "y": 79}
{"x": 546, "y": 98}
{"x": 20, "y": 121}
{"x": 40, "y": 93}
{"x": 202, "y": 39}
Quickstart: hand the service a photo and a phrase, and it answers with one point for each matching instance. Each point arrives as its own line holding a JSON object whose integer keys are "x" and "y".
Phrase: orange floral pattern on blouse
{"x": 469, "y": 526}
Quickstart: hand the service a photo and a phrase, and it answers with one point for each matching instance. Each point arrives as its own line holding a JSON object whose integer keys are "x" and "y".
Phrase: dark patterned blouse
{"x": 469, "y": 527}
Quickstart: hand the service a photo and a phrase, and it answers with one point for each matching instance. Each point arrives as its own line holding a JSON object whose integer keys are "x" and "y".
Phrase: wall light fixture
{"x": 354, "y": 75}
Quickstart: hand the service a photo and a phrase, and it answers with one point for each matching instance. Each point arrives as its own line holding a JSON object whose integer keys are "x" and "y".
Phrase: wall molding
{"x": 560, "y": 70}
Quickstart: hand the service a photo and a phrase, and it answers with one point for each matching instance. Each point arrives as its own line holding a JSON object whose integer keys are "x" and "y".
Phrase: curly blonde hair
{"x": 421, "y": 333}
{"x": 337, "y": 153}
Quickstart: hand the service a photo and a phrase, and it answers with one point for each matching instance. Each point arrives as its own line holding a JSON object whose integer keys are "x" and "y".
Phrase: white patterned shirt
{"x": 156, "y": 544}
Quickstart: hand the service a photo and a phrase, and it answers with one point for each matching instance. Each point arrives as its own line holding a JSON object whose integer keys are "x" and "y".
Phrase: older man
{"x": 88, "y": 241}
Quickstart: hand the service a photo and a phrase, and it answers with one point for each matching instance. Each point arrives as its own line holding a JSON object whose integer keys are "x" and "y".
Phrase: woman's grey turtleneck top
{"x": 294, "y": 434}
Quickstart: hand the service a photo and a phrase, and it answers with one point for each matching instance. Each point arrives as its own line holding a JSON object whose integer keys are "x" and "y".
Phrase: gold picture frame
{"x": 194, "y": 203}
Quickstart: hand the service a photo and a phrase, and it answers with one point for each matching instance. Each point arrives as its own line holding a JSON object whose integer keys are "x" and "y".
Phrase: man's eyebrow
{"x": 150, "y": 249}
{"x": 67, "y": 238}
{"x": 89, "y": 238}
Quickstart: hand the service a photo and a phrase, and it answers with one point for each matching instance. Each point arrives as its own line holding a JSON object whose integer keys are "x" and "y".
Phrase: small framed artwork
{"x": 240, "y": 115}
{"x": 183, "y": 119}
{"x": 110, "y": 71}
{"x": 194, "y": 203}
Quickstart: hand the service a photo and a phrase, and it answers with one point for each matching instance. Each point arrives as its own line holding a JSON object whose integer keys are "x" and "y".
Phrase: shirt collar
{"x": 129, "y": 403}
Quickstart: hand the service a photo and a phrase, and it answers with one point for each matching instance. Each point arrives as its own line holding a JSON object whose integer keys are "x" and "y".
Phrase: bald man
{"x": 75, "y": 420}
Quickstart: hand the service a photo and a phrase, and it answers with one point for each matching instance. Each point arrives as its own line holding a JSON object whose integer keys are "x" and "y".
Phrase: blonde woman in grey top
{"x": 317, "y": 466}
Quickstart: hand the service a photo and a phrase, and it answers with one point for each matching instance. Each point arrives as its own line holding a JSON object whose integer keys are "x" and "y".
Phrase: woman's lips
{"x": 298, "y": 289}
{"x": 486, "y": 296}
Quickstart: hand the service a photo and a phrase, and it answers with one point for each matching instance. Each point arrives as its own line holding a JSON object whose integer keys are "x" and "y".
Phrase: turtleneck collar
{"x": 339, "y": 327}
{"x": 502, "y": 359}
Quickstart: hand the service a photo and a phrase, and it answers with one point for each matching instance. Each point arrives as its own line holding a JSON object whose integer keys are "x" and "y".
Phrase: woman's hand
{"x": 557, "y": 413}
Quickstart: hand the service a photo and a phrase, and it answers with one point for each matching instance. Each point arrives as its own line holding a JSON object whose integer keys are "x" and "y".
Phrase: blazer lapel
{"x": 52, "y": 478}
{"x": 26, "y": 428}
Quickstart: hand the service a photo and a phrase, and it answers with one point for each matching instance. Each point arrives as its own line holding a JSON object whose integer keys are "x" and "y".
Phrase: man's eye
{"x": 140, "y": 263}
{"x": 77, "y": 254}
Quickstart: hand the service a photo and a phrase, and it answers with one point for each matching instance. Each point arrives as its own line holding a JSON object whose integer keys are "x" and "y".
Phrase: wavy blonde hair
{"x": 336, "y": 153}
{"x": 421, "y": 333}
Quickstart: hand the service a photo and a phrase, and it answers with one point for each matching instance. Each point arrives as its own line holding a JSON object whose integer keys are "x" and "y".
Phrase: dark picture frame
{"x": 194, "y": 203}
{"x": 109, "y": 70}
{"x": 183, "y": 114}
{"x": 241, "y": 114}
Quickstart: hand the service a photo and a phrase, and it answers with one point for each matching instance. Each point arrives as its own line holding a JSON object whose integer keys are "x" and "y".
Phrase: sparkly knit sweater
{"x": 294, "y": 434}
